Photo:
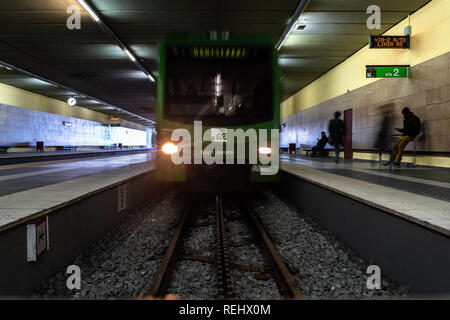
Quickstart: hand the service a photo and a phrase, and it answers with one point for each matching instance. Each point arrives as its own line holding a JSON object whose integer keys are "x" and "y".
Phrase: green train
{"x": 218, "y": 111}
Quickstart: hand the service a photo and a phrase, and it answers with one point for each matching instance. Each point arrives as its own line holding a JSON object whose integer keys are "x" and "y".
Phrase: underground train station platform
{"x": 403, "y": 213}
{"x": 74, "y": 198}
{"x": 33, "y": 156}
{"x": 138, "y": 152}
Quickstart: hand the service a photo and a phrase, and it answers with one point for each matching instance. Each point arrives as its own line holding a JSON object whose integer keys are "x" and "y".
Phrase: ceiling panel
{"x": 34, "y": 36}
{"x": 139, "y": 5}
{"x": 336, "y": 17}
{"x": 339, "y": 28}
{"x": 334, "y": 30}
{"x": 361, "y": 5}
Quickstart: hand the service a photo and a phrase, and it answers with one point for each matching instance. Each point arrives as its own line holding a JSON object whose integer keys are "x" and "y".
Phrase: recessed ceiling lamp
{"x": 293, "y": 22}
{"x": 114, "y": 37}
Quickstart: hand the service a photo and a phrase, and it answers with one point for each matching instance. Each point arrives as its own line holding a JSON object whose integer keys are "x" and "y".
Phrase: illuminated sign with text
{"x": 387, "y": 71}
{"x": 389, "y": 42}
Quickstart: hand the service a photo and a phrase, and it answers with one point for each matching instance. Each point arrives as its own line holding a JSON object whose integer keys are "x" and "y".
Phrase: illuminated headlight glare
{"x": 169, "y": 148}
{"x": 265, "y": 150}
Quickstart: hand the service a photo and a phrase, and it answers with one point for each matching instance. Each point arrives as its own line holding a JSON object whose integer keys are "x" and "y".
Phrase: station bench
{"x": 290, "y": 149}
{"x": 65, "y": 148}
{"x": 107, "y": 147}
{"x": 392, "y": 138}
{"x": 308, "y": 149}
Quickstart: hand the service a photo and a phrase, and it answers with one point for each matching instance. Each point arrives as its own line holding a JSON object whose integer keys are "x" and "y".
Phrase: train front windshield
{"x": 219, "y": 85}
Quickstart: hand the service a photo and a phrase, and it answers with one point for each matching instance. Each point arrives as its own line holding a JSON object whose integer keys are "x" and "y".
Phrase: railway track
{"x": 224, "y": 286}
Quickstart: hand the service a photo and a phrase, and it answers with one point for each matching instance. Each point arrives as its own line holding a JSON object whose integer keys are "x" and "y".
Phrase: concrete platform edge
{"x": 410, "y": 253}
{"x": 72, "y": 228}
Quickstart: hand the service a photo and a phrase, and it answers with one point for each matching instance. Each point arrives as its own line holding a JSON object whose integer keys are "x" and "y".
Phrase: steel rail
{"x": 224, "y": 282}
{"x": 163, "y": 275}
{"x": 284, "y": 278}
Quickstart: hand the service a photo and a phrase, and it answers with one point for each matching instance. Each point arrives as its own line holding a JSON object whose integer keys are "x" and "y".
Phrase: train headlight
{"x": 265, "y": 150}
{"x": 169, "y": 148}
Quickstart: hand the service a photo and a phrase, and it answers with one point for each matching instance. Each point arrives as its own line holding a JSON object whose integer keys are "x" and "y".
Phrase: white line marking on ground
{"x": 30, "y": 174}
{"x": 404, "y": 178}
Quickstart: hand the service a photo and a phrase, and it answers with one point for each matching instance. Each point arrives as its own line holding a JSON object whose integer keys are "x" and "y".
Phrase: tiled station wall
{"x": 23, "y": 127}
{"x": 426, "y": 92}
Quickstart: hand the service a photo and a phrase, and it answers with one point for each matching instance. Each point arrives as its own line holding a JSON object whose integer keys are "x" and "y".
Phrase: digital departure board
{"x": 387, "y": 71}
{"x": 389, "y": 42}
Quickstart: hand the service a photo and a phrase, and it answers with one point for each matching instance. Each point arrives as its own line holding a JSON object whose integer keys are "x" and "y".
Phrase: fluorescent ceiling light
{"x": 89, "y": 10}
{"x": 36, "y": 81}
{"x": 132, "y": 58}
{"x": 114, "y": 37}
{"x": 6, "y": 67}
{"x": 286, "y": 36}
{"x": 293, "y": 22}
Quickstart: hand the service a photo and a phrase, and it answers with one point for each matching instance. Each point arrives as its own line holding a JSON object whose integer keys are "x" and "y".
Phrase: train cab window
{"x": 219, "y": 85}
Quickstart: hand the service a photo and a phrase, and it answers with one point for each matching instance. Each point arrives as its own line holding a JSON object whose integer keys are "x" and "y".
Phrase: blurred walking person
{"x": 382, "y": 143}
{"x": 337, "y": 131}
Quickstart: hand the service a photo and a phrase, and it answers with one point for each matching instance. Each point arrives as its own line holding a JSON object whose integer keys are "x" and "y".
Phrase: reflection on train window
{"x": 219, "y": 85}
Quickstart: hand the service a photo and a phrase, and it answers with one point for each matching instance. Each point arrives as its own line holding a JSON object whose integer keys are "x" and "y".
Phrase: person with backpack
{"x": 411, "y": 128}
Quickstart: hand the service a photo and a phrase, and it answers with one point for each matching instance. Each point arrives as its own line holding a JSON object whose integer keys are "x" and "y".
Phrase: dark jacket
{"x": 322, "y": 143}
{"x": 336, "y": 129}
{"x": 411, "y": 126}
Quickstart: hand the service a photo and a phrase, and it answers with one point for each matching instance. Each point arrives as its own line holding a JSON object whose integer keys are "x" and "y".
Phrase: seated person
{"x": 320, "y": 146}
{"x": 411, "y": 128}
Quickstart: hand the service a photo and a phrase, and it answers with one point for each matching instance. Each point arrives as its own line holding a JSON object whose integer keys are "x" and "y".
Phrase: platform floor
{"x": 28, "y": 189}
{"x": 26, "y": 157}
{"x": 79, "y": 151}
{"x": 421, "y": 195}
{"x": 16, "y": 178}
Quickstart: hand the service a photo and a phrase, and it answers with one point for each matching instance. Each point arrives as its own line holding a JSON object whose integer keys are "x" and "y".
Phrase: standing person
{"x": 336, "y": 128}
{"x": 411, "y": 128}
{"x": 320, "y": 146}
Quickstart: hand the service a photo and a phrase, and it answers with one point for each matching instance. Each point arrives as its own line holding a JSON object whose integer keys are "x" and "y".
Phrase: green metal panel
{"x": 387, "y": 71}
{"x": 392, "y": 72}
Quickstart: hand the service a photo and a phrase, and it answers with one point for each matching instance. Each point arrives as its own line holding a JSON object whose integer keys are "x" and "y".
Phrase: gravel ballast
{"x": 122, "y": 263}
{"x": 247, "y": 285}
{"x": 196, "y": 280}
{"x": 329, "y": 270}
